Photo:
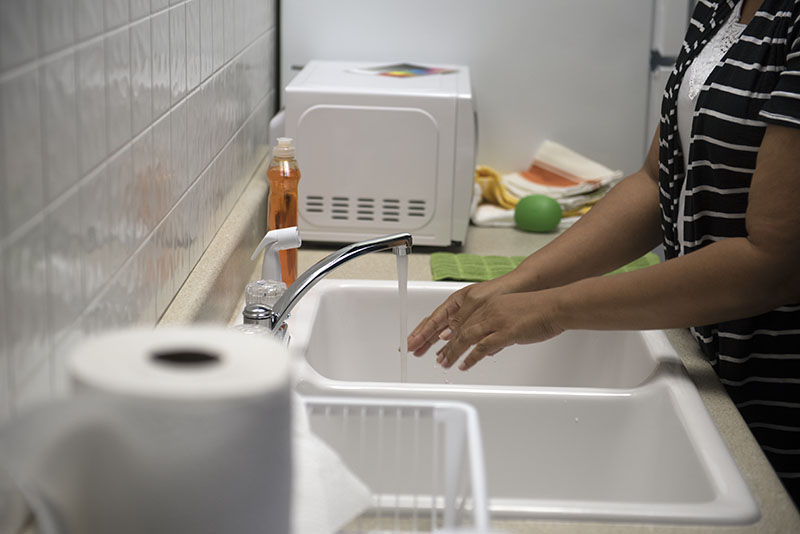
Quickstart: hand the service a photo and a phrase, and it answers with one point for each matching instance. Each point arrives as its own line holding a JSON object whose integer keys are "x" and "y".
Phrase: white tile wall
{"x": 18, "y": 41}
{"x": 177, "y": 51}
{"x": 117, "y": 13}
{"x": 89, "y": 18}
{"x": 141, "y": 75}
{"x": 128, "y": 128}
{"x": 118, "y": 87}
{"x": 91, "y": 87}
{"x": 5, "y": 379}
{"x": 65, "y": 257}
{"x": 56, "y": 24}
{"x": 59, "y": 107}
{"x": 159, "y": 46}
{"x": 22, "y": 148}
{"x": 192, "y": 44}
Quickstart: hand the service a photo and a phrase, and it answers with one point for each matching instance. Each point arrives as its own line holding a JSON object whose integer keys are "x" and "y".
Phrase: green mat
{"x": 475, "y": 268}
{"x": 645, "y": 261}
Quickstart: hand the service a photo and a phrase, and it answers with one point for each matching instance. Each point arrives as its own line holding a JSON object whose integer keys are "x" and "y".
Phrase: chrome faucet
{"x": 401, "y": 243}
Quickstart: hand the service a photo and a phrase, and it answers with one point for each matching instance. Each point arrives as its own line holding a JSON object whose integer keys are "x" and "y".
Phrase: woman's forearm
{"x": 726, "y": 280}
{"x": 620, "y": 228}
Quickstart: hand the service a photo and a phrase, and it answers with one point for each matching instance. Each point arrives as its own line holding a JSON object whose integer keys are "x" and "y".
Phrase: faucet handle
{"x": 264, "y": 292}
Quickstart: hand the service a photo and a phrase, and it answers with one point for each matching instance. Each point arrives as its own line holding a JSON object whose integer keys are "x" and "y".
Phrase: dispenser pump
{"x": 284, "y": 148}
{"x": 273, "y": 242}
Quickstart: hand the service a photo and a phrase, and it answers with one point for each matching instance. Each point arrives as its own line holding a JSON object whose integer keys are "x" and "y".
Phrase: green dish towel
{"x": 475, "y": 268}
{"x": 645, "y": 261}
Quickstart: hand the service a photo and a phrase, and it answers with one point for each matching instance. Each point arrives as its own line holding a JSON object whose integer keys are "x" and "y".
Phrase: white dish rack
{"x": 422, "y": 460}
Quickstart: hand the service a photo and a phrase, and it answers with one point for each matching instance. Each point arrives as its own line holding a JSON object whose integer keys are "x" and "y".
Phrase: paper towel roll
{"x": 173, "y": 431}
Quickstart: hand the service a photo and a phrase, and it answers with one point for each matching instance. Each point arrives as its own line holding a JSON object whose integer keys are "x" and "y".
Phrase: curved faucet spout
{"x": 322, "y": 268}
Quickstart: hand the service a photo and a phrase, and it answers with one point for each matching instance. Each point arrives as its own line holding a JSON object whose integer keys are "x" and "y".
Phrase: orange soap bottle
{"x": 283, "y": 175}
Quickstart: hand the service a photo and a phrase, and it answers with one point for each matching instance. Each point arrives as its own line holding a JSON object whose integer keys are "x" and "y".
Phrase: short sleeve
{"x": 783, "y": 106}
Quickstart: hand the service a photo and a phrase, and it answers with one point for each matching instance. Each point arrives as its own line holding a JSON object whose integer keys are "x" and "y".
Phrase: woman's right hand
{"x": 452, "y": 313}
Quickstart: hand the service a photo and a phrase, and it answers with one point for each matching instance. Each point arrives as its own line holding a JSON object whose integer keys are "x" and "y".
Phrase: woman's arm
{"x": 728, "y": 279}
{"x": 621, "y": 227}
{"x": 732, "y": 278}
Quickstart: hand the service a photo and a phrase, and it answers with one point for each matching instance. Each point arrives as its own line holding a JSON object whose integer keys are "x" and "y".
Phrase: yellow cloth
{"x": 578, "y": 211}
{"x": 492, "y": 189}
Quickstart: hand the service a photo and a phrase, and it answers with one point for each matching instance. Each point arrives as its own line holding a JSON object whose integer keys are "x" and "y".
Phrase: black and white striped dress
{"x": 755, "y": 84}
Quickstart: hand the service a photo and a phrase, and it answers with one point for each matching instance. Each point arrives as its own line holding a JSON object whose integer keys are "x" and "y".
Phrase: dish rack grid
{"x": 422, "y": 460}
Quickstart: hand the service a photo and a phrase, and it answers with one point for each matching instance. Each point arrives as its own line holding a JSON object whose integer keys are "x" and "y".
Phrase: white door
{"x": 670, "y": 18}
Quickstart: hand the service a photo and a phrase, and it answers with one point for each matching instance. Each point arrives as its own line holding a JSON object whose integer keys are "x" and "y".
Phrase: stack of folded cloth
{"x": 572, "y": 179}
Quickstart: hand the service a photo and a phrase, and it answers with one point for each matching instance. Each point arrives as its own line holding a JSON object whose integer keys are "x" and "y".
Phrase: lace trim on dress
{"x": 714, "y": 51}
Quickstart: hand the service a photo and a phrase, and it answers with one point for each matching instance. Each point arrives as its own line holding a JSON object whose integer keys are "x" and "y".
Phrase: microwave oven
{"x": 383, "y": 152}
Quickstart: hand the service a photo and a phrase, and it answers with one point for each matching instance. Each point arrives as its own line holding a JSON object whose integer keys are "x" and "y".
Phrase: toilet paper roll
{"x": 170, "y": 431}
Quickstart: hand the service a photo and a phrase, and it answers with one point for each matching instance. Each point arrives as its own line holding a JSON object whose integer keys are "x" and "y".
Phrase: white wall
{"x": 127, "y": 130}
{"x": 574, "y": 71}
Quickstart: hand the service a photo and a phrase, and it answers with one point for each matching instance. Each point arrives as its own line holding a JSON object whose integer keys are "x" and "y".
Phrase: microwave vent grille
{"x": 390, "y": 211}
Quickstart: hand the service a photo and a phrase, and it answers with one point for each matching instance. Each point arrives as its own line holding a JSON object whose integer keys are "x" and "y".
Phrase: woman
{"x": 720, "y": 188}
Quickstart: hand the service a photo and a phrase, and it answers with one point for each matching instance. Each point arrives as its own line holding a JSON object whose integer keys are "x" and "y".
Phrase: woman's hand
{"x": 451, "y": 314}
{"x": 500, "y": 321}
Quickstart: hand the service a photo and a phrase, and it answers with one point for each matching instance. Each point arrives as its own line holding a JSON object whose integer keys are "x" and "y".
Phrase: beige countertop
{"x": 778, "y": 514}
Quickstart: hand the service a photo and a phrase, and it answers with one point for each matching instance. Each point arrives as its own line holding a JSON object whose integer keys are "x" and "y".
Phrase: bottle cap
{"x": 284, "y": 148}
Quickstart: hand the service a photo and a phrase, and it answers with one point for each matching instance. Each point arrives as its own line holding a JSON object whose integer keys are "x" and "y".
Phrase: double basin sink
{"x": 602, "y": 426}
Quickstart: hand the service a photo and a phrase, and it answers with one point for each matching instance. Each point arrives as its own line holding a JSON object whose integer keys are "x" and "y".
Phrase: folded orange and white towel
{"x": 560, "y": 172}
{"x": 573, "y": 180}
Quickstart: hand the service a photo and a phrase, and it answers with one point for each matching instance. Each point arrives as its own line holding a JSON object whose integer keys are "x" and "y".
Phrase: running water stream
{"x": 402, "y": 290}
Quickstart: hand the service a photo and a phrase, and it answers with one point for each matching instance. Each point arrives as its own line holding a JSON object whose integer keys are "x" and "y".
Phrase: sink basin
{"x": 587, "y": 426}
{"x": 356, "y": 337}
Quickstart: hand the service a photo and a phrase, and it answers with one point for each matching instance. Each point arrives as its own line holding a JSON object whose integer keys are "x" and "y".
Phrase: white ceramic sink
{"x": 355, "y": 337}
{"x": 587, "y": 426}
